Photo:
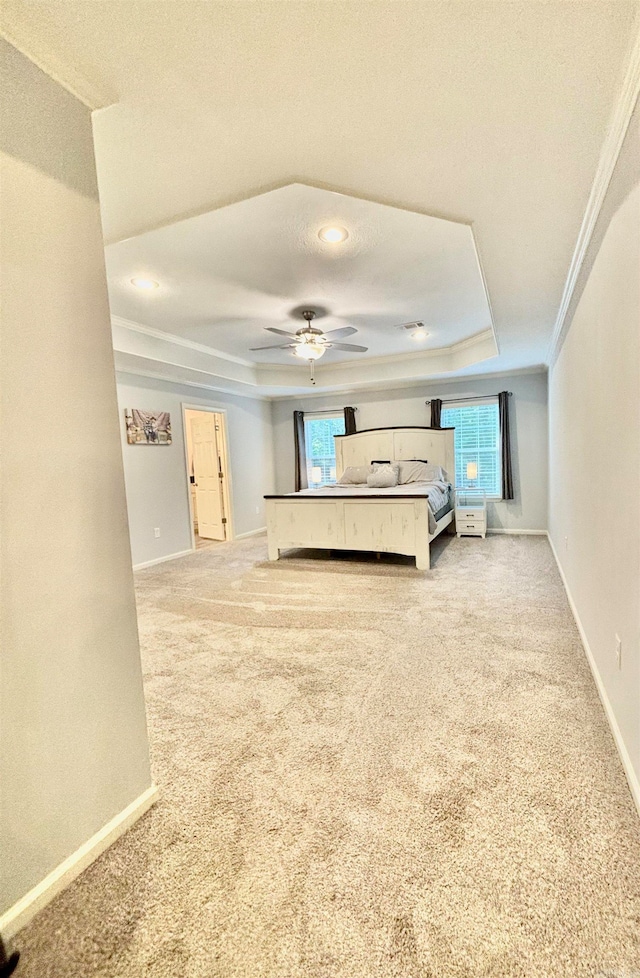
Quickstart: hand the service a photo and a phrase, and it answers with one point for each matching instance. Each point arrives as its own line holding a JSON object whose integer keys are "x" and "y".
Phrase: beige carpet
{"x": 366, "y": 772}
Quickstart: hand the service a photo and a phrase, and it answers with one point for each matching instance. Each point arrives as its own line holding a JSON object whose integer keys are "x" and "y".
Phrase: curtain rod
{"x": 480, "y": 397}
{"x": 328, "y": 410}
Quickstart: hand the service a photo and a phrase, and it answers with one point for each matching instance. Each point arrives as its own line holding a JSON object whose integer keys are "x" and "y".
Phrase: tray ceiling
{"x": 492, "y": 114}
{"x": 226, "y": 275}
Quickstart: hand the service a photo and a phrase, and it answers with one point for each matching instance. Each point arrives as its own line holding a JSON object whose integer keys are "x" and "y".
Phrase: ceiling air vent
{"x": 411, "y": 326}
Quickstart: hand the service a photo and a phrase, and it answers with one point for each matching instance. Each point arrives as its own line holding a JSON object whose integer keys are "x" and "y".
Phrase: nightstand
{"x": 471, "y": 512}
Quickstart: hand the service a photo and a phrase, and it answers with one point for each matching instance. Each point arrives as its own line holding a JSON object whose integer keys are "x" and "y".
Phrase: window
{"x": 319, "y": 430}
{"x": 477, "y": 445}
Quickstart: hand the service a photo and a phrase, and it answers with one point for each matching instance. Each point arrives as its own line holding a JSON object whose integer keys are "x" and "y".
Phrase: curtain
{"x": 301, "y": 451}
{"x": 505, "y": 445}
{"x": 436, "y": 411}
{"x": 349, "y": 421}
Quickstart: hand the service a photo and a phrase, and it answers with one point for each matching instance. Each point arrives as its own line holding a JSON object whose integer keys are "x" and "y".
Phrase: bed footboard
{"x": 380, "y": 525}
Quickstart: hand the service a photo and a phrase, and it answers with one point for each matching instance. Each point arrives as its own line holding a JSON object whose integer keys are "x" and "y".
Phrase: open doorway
{"x": 208, "y": 475}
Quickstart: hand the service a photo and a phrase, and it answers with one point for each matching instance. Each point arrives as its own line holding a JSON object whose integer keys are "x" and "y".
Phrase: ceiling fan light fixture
{"x": 333, "y": 235}
{"x": 310, "y": 351}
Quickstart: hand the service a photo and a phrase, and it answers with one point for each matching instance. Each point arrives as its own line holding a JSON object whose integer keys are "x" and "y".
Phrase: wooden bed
{"x": 382, "y": 524}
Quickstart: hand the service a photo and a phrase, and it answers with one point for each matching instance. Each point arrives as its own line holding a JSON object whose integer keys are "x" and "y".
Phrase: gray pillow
{"x": 413, "y": 471}
{"x": 386, "y": 465}
{"x": 355, "y": 475}
{"x": 384, "y": 477}
{"x": 416, "y": 470}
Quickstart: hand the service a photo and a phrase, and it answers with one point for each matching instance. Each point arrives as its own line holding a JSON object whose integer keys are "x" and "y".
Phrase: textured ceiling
{"x": 492, "y": 113}
{"x": 226, "y": 275}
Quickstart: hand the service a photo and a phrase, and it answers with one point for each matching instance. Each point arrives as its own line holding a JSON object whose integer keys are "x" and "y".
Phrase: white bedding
{"x": 437, "y": 493}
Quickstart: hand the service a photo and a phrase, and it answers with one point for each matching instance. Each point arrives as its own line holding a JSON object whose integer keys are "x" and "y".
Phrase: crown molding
{"x": 24, "y": 39}
{"x": 260, "y": 389}
{"x": 122, "y": 373}
{"x": 414, "y": 355}
{"x": 222, "y": 383}
{"x": 618, "y": 125}
{"x": 267, "y": 368}
{"x": 159, "y": 334}
{"x": 388, "y": 386}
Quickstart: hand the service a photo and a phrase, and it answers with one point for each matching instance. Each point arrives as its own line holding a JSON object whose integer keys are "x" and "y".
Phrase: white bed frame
{"x": 381, "y": 524}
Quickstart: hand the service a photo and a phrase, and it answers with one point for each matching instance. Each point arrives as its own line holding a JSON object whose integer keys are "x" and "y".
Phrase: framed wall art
{"x": 147, "y": 427}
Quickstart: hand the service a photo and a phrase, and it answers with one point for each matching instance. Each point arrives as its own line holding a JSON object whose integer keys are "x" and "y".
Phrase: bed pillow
{"x": 383, "y": 477}
{"x": 355, "y": 475}
{"x": 419, "y": 470}
{"x": 412, "y": 470}
{"x": 375, "y": 466}
{"x": 435, "y": 473}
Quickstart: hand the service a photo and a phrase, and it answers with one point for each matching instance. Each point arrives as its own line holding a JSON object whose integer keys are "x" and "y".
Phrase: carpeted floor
{"x": 367, "y": 772}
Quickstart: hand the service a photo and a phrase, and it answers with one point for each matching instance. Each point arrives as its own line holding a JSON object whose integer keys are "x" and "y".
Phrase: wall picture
{"x": 147, "y": 427}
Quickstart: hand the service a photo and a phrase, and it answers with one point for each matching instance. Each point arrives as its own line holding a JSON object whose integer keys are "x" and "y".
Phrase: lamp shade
{"x": 472, "y": 470}
{"x": 316, "y": 473}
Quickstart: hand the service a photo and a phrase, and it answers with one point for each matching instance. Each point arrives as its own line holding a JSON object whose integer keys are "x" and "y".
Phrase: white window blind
{"x": 320, "y": 447}
{"x": 477, "y": 444}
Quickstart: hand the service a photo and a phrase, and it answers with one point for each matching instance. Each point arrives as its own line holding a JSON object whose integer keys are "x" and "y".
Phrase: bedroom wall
{"x": 156, "y": 479}
{"x": 74, "y": 741}
{"x": 528, "y": 413}
{"x": 594, "y": 448}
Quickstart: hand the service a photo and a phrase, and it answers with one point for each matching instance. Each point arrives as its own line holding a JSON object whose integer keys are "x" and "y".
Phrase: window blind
{"x": 321, "y": 452}
{"x": 477, "y": 440}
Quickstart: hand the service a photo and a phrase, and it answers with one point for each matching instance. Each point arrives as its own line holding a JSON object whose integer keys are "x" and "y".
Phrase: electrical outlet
{"x": 156, "y": 532}
{"x": 257, "y": 510}
{"x": 566, "y": 543}
{"x": 619, "y": 651}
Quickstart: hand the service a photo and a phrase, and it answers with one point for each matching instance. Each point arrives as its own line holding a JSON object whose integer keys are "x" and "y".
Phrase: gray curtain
{"x": 436, "y": 412}
{"x": 505, "y": 445}
{"x": 300, "y": 450}
{"x": 349, "y": 421}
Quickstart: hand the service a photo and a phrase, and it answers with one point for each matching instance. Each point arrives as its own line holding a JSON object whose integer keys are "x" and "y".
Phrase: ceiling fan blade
{"x": 280, "y": 332}
{"x": 277, "y": 346}
{"x": 341, "y": 334}
{"x": 349, "y": 347}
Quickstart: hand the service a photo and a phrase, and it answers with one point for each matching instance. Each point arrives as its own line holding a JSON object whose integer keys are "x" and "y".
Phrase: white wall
{"x": 74, "y": 741}
{"x": 156, "y": 477}
{"x": 594, "y": 447}
{"x": 528, "y": 415}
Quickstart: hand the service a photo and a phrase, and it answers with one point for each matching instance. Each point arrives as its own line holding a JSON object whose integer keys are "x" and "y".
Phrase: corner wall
{"x": 594, "y": 452}
{"x": 74, "y": 741}
{"x": 156, "y": 477}
{"x": 528, "y": 415}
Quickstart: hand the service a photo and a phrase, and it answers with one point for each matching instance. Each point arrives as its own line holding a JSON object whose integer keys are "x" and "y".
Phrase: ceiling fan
{"x": 310, "y": 343}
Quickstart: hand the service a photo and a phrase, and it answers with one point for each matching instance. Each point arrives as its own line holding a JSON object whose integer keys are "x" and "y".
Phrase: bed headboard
{"x": 431, "y": 444}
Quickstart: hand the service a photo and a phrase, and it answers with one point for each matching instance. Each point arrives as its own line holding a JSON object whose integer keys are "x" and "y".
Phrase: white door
{"x": 207, "y": 470}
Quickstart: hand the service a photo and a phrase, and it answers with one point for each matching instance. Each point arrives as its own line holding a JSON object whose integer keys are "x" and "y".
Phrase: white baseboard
{"x": 17, "y": 916}
{"x": 161, "y": 560}
{"x": 632, "y": 777}
{"x": 514, "y": 532}
{"x": 251, "y": 533}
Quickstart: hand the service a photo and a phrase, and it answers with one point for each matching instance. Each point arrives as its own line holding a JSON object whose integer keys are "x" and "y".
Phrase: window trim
{"x": 469, "y": 402}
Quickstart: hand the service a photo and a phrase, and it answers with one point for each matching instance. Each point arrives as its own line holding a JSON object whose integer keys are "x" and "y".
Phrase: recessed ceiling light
{"x": 333, "y": 235}
{"x": 144, "y": 283}
{"x": 419, "y": 333}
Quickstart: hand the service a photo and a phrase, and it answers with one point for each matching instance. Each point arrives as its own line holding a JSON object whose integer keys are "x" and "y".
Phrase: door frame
{"x": 227, "y": 494}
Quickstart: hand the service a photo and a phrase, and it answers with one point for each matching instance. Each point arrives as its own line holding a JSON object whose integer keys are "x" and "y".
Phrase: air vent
{"x": 411, "y": 326}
